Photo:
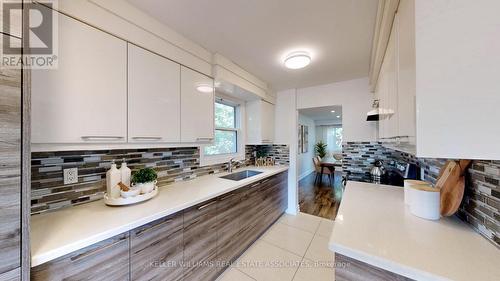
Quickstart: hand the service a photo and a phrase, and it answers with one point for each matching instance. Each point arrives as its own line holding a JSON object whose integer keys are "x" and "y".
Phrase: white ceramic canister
{"x": 407, "y": 185}
{"x": 425, "y": 202}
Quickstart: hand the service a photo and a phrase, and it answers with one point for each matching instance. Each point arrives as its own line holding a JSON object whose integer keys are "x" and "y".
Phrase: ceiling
{"x": 323, "y": 113}
{"x": 257, "y": 34}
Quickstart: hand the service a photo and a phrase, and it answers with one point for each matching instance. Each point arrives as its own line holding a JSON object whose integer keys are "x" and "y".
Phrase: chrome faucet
{"x": 230, "y": 165}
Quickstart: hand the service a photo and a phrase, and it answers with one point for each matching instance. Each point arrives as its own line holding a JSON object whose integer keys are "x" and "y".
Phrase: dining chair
{"x": 317, "y": 169}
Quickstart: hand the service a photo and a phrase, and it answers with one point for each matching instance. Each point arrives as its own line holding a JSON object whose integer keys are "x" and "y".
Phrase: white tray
{"x": 130, "y": 200}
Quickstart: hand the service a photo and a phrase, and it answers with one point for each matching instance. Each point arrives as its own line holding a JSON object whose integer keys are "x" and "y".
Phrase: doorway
{"x": 319, "y": 160}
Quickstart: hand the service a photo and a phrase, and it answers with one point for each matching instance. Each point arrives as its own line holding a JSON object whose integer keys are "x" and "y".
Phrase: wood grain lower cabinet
{"x": 107, "y": 261}
{"x": 360, "y": 271}
{"x": 200, "y": 241}
{"x": 10, "y": 170}
{"x": 156, "y": 250}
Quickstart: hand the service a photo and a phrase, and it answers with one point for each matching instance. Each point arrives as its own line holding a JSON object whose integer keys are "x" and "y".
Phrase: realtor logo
{"x": 39, "y": 32}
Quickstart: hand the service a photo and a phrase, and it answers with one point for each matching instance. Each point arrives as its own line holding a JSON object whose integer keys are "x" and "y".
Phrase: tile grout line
{"x": 307, "y": 249}
{"x": 246, "y": 274}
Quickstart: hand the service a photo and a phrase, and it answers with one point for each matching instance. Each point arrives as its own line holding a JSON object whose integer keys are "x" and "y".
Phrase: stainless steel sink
{"x": 241, "y": 175}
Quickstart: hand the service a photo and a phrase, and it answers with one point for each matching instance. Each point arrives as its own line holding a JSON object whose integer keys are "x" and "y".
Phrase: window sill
{"x": 207, "y": 160}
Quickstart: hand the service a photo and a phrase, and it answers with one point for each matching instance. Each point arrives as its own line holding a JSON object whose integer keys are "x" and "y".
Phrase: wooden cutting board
{"x": 451, "y": 183}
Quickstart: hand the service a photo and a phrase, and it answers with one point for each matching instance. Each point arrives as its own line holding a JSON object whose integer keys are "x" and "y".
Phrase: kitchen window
{"x": 226, "y": 130}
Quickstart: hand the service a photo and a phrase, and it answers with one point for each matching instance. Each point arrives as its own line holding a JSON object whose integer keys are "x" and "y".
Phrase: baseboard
{"x": 306, "y": 174}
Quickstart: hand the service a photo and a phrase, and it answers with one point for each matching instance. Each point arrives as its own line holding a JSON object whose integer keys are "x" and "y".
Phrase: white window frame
{"x": 239, "y": 106}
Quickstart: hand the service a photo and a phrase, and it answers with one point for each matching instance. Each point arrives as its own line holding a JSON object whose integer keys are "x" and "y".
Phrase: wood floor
{"x": 320, "y": 200}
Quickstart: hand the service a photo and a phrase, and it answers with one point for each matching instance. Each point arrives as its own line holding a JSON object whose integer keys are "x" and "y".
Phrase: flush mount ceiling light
{"x": 333, "y": 111}
{"x": 297, "y": 60}
{"x": 338, "y": 116}
{"x": 205, "y": 88}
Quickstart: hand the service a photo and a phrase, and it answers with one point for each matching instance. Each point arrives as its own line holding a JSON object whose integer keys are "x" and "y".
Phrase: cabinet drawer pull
{"x": 147, "y": 229}
{"x": 266, "y": 180}
{"x": 204, "y": 139}
{"x": 97, "y": 250}
{"x": 206, "y": 205}
{"x": 146, "y": 138}
{"x": 255, "y": 184}
{"x": 227, "y": 196}
{"x": 267, "y": 141}
{"x": 90, "y": 138}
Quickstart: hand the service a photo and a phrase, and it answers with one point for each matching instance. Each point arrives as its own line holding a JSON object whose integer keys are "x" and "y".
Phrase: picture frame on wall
{"x": 303, "y": 139}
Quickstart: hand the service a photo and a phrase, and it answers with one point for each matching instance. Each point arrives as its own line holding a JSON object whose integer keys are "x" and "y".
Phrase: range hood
{"x": 378, "y": 113}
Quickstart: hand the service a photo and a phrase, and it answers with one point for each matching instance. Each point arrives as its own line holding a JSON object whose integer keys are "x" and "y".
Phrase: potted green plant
{"x": 145, "y": 180}
{"x": 320, "y": 149}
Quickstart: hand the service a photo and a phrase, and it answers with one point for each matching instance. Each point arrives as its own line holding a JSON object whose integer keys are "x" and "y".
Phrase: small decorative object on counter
{"x": 408, "y": 184}
{"x": 113, "y": 177}
{"x": 144, "y": 180}
{"x": 425, "y": 202}
{"x": 143, "y": 188}
{"x": 264, "y": 161}
{"x": 125, "y": 173}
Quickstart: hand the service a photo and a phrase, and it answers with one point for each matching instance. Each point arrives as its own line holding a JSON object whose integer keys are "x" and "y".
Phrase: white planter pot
{"x": 145, "y": 187}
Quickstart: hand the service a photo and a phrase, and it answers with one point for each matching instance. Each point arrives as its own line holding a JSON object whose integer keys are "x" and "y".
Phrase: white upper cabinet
{"x": 405, "y": 22}
{"x": 197, "y": 107}
{"x": 260, "y": 122}
{"x": 154, "y": 97}
{"x": 84, "y": 100}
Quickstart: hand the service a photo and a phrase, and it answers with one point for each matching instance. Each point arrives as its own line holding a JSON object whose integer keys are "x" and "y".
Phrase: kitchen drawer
{"x": 107, "y": 261}
{"x": 156, "y": 250}
{"x": 200, "y": 240}
{"x": 228, "y": 218}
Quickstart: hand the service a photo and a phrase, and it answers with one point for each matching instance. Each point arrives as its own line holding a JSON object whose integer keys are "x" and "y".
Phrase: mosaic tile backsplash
{"x": 359, "y": 157}
{"x": 48, "y": 192}
{"x": 481, "y": 204}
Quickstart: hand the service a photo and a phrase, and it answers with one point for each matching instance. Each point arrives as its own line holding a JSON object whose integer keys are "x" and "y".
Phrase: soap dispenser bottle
{"x": 113, "y": 178}
{"x": 125, "y": 173}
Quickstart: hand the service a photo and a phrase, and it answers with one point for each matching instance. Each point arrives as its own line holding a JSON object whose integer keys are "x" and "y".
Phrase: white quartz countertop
{"x": 374, "y": 226}
{"x": 59, "y": 233}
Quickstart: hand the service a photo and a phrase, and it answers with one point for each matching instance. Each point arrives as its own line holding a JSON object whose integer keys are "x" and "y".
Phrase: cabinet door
{"x": 200, "y": 241}
{"x": 107, "y": 261}
{"x": 10, "y": 175}
{"x": 153, "y": 97}
{"x": 228, "y": 220}
{"x": 267, "y": 122}
{"x": 85, "y": 98}
{"x": 406, "y": 69}
{"x": 156, "y": 250}
{"x": 197, "y": 107}
{"x": 392, "y": 86}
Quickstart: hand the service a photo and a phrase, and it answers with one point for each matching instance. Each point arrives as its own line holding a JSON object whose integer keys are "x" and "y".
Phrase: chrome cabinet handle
{"x": 146, "y": 138}
{"x": 206, "y": 205}
{"x": 154, "y": 227}
{"x": 102, "y": 138}
{"x": 204, "y": 139}
{"x": 97, "y": 250}
{"x": 267, "y": 141}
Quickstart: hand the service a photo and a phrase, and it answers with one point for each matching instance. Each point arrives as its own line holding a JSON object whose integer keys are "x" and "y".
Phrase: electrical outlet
{"x": 70, "y": 175}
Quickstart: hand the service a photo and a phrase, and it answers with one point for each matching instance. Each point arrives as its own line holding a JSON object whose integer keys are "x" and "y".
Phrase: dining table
{"x": 329, "y": 163}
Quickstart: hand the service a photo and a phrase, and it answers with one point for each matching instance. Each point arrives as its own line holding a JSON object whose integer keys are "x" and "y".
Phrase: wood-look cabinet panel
{"x": 229, "y": 224}
{"x": 200, "y": 241}
{"x": 107, "y": 261}
{"x": 358, "y": 270}
{"x": 156, "y": 250}
{"x": 10, "y": 171}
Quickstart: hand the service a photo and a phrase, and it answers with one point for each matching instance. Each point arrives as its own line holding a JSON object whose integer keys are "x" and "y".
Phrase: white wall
{"x": 286, "y": 122}
{"x": 304, "y": 160}
{"x": 356, "y": 100}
